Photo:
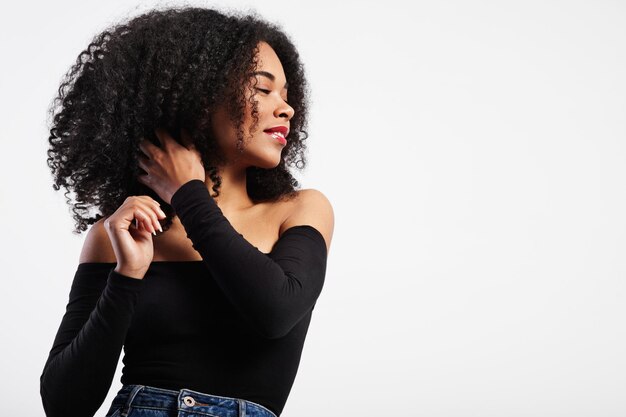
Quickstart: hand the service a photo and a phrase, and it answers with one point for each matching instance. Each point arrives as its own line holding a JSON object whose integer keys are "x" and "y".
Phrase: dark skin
{"x": 167, "y": 169}
{"x": 171, "y": 165}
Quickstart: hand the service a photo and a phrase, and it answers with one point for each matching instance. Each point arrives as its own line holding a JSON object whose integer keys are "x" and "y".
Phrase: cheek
{"x": 261, "y": 115}
{"x": 222, "y": 127}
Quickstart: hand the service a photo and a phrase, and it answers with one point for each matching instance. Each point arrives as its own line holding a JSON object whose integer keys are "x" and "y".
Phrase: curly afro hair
{"x": 166, "y": 68}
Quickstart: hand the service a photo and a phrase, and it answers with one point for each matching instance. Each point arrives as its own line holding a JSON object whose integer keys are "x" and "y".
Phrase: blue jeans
{"x": 144, "y": 401}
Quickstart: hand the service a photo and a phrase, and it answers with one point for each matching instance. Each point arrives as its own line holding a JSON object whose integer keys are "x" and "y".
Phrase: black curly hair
{"x": 166, "y": 68}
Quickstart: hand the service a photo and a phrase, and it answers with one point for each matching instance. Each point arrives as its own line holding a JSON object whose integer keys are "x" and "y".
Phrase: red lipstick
{"x": 278, "y": 133}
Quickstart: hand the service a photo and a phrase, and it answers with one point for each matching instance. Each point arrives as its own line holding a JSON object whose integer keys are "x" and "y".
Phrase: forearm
{"x": 82, "y": 363}
{"x": 271, "y": 292}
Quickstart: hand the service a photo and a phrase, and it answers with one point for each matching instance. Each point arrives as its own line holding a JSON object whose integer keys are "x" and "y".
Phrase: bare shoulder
{"x": 312, "y": 208}
{"x": 97, "y": 246}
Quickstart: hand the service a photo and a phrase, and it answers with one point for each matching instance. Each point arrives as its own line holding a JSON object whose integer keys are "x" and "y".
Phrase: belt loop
{"x": 242, "y": 407}
{"x": 131, "y": 397}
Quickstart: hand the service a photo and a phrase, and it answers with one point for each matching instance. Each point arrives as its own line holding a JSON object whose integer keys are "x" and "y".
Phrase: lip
{"x": 282, "y": 129}
{"x": 276, "y": 137}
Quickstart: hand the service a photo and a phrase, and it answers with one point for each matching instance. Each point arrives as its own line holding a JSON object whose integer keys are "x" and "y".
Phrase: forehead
{"x": 269, "y": 61}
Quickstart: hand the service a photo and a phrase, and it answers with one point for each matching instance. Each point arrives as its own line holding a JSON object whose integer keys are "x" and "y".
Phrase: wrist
{"x": 136, "y": 273}
{"x": 189, "y": 187}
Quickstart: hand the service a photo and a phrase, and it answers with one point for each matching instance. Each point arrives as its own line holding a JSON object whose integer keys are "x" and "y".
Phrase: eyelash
{"x": 267, "y": 92}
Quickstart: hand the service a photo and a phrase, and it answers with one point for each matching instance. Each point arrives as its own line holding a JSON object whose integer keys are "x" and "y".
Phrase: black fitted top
{"x": 232, "y": 324}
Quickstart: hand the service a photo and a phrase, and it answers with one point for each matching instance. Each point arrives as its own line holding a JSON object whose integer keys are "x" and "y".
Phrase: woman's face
{"x": 261, "y": 148}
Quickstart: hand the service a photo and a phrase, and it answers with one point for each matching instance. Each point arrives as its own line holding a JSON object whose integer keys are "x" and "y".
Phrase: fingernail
{"x": 154, "y": 233}
{"x": 160, "y": 229}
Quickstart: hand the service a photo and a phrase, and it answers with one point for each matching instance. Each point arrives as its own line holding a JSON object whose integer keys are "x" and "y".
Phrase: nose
{"x": 283, "y": 109}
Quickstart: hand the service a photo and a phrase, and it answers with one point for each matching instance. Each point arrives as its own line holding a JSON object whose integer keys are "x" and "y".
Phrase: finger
{"x": 139, "y": 226}
{"x": 145, "y": 219}
{"x": 153, "y": 211}
{"x": 145, "y": 179}
{"x": 160, "y": 213}
{"x": 148, "y": 148}
{"x": 144, "y": 163}
{"x": 154, "y": 205}
{"x": 148, "y": 199}
{"x": 185, "y": 138}
{"x": 164, "y": 137}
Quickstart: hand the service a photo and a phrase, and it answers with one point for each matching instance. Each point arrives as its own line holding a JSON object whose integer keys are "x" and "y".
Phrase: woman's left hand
{"x": 171, "y": 166}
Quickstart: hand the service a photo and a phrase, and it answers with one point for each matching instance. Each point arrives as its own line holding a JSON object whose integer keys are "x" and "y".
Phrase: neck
{"x": 233, "y": 191}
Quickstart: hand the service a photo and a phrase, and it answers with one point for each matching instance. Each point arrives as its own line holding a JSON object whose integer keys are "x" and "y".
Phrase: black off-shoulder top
{"x": 232, "y": 324}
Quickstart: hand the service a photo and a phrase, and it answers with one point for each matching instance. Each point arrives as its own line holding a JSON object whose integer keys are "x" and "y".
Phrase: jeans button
{"x": 189, "y": 401}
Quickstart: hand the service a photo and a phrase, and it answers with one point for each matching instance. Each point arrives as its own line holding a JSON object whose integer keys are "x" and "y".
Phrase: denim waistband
{"x": 133, "y": 395}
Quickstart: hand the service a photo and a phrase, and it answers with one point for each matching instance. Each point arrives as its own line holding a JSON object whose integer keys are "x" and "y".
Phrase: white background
{"x": 474, "y": 156}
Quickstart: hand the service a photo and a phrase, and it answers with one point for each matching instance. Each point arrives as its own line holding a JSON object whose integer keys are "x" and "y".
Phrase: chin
{"x": 266, "y": 157}
{"x": 267, "y": 163}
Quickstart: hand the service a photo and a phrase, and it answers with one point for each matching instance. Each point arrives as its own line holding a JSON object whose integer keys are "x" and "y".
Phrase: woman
{"x": 209, "y": 294}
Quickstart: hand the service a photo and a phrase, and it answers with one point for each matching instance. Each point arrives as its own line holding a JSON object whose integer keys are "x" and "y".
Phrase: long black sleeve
{"x": 271, "y": 292}
{"x": 81, "y": 365}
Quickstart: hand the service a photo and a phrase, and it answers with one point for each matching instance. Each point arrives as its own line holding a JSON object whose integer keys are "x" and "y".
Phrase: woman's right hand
{"x": 130, "y": 230}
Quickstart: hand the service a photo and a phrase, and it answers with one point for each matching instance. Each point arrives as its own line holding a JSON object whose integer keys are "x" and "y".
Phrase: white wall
{"x": 474, "y": 155}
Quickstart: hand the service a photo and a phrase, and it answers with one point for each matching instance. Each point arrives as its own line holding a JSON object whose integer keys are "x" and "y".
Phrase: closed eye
{"x": 268, "y": 91}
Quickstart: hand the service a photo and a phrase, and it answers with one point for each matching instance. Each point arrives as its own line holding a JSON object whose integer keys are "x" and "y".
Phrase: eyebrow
{"x": 270, "y": 76}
